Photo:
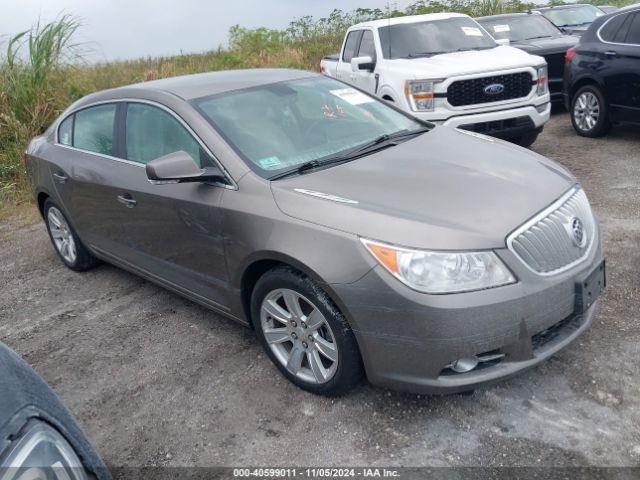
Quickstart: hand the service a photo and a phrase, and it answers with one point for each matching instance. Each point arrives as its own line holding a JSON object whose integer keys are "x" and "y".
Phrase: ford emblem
{"x": 494, "y": 89}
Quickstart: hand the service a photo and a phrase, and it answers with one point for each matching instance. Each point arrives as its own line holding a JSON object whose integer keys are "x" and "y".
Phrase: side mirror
{"x": 503, "y": 41}
{"x": 179, "y": 167}
{"x": 363, "y": 63}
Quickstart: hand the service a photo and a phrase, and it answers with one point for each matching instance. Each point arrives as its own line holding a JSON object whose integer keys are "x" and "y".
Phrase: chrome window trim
{"x": 627, "y": 12}
{"x": 232, "y": 184}
{"x": 543, "y": 214}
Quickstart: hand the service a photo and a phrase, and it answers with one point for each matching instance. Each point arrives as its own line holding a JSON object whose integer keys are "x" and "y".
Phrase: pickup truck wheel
{"x": 65, "y": 240}
{"x": 589, "y": 112}
{"x": 304, "y": 334}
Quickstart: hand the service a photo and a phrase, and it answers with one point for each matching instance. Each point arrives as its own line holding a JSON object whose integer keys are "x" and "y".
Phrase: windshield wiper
{"x": 377, "y": 144}
{"x": 539, "y": 36}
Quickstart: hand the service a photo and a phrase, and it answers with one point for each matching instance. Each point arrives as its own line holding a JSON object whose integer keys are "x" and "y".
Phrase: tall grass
{"x": 41, "y": 72}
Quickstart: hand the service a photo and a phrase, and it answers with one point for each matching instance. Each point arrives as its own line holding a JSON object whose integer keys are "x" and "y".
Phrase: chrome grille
{"x": 546, "y": 242}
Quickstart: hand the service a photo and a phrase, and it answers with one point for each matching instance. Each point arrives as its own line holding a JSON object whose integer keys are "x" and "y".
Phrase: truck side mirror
{"x": 363, "y": 63}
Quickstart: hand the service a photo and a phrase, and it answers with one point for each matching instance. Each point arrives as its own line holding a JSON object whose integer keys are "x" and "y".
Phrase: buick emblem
{"x": 494, "y": 89}
{"x": 577, "y": 233}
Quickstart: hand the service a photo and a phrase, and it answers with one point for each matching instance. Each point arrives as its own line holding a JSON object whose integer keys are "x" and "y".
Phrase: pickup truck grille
{"x": 547, "y": 244}
{"x": 472, "y": 91}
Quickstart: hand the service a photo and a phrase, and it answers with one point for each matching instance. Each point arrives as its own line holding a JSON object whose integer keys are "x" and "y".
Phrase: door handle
{"x": 127, "y": 200}
{"x": 611, "y": 53}
{"x": 60, "y": 178}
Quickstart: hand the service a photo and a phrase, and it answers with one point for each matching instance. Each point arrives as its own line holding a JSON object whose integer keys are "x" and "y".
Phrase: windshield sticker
{"x": 501, "y": 28}
{"x": 471, "y": 31}
{"x": 352, "y": 96}
{"x": 270, "y": 163}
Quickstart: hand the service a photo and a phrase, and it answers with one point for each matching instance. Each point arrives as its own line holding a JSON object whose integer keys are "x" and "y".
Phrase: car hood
{"x": 464, "y": 63}
{"x": 544, "y": 46}
{"x": 445, "y": 189}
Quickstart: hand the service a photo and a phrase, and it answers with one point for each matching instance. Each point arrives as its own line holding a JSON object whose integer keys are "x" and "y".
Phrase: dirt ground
{"x": 157, "y": 380}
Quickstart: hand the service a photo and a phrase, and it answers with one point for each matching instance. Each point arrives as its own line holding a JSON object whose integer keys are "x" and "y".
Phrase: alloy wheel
{"x": 299, "y": 335}
{"x": 586, "y": 111}
{"x": 61, "y": 235}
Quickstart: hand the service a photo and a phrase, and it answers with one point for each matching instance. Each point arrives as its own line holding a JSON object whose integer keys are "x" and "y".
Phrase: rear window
{"x": 93, "y": 129}
{"x": 634, "y": 31}
{"x": 612, "y": 29}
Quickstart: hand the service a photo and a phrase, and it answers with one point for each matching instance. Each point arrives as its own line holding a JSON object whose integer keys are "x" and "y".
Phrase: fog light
{"x": 463, "y": 365}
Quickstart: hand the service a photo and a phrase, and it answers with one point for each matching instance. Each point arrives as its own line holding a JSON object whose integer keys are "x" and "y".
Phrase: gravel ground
{"x": 157, "y": 380}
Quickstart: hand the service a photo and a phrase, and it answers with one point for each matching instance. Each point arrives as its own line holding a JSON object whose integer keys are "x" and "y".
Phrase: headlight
{"x": 441, "y": 272}
{"x": 420, "y": 94}
{"x": 543, "y": 81}
{"x": 41, "y": 453}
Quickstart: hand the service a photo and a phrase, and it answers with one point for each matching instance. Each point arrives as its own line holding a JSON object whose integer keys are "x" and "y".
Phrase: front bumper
{"x": 499, "y": 122}
{"x": 407, "y": 338}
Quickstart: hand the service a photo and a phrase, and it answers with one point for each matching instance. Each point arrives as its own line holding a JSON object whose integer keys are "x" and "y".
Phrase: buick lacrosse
{"x": 354, "y": 239}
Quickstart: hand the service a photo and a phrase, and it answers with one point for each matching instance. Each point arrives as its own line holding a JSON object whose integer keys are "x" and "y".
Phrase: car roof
{"x": 563, "y": 7}
{"x": 385, "y": 22}
{"x": 198, "y": 85}
{"x": 505, "y": 15}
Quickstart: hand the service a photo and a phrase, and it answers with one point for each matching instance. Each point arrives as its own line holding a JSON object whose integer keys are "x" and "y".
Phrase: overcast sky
{"x": 124, "y": 29}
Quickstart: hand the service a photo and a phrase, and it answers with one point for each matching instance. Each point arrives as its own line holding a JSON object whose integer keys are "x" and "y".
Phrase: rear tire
{"x": 309, "y": 340}
{"x": 65, "y": 240}
{"x": 589, "y": 112}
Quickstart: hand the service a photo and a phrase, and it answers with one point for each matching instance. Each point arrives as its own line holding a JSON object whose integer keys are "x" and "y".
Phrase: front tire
{"x": 65, "y": 240}
{"x": 304, "y": 334}
{"x": 589, "y": 112}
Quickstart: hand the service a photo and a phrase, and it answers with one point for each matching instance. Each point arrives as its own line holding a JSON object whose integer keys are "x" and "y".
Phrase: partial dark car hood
{"x": 442, "y": 190}
{"x": 543, "y": 46}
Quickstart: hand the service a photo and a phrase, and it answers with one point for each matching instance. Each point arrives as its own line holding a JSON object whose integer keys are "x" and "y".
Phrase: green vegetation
{"x": 41, "y": 72}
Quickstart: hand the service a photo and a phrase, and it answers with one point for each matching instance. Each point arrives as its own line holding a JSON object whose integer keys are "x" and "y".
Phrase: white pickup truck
{"x": 445, "y": 68}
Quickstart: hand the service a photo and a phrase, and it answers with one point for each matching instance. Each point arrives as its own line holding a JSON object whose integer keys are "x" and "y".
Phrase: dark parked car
{"x": 39, "y": 439}
{"x": 534, "y": 34}
{"x": 573, "y": 19}
{"x": 602, "y": 75}
{"x": 346, "y": 232}
{"x": 608, "y": 8}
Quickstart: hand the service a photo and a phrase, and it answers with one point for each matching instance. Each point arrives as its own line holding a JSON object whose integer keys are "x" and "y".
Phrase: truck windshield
{"x": 573, "y": 16}
{"x": 280, "y": 126}
{"x": 425, "y": 39}
{"x": 521, "y": 28}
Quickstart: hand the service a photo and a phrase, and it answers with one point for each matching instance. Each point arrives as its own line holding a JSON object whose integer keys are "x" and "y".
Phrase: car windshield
{"x": 521, "y": 28}
{"x": 573, "y": 16}
{"x": 424, "y": 39}
{"x": 280, "y": 126}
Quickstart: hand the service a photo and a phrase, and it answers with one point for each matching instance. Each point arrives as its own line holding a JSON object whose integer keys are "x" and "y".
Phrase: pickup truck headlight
{"x": 419, "y": 94}
{"x": 543, "y": 81}
{"x": 441, "y": 272}
{"x": 41, "y": 453}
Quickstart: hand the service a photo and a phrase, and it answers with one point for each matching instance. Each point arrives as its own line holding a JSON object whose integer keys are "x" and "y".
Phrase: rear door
{"x": 82, "y": 174}
{"x": 350, "y": 49}
{"x": 621, "y": 65}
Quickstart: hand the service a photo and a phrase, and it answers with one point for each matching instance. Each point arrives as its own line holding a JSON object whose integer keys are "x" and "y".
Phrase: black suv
{"x": 602, "y": 74}
{"x": 536, "y": 35}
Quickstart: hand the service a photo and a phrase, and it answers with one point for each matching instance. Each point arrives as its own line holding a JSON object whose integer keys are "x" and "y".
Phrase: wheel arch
{"x": 585, "y": 81}
{"x": 261, "y": 262}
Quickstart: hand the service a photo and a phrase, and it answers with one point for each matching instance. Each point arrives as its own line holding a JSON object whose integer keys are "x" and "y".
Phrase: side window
{"x": 93, "y": 129}
{"x": 634, "y": 31}
{"x": 367, "y": 46}
{"x": 350, "y": 45}
{"x": 612, "y": 27}
{"x": 65, "y": 131}
{"x": 151, "y": 133}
